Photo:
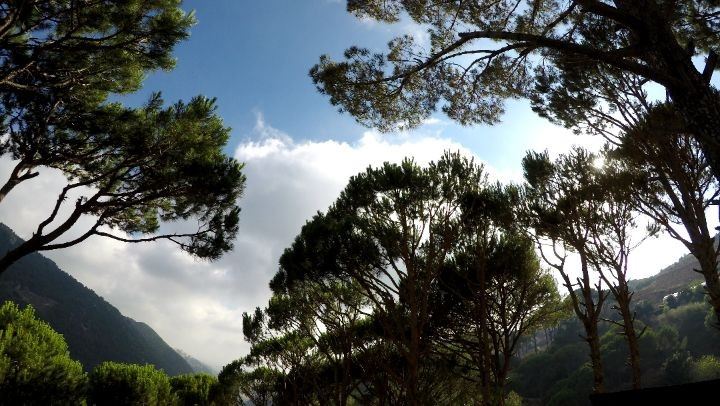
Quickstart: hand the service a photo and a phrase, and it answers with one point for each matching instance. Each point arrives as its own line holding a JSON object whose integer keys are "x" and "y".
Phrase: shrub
{"x": 706, "y": 368}
{"x": 35, "y": 365}
{"x": 193, "y": 389}
{"x": 113, "y": 383}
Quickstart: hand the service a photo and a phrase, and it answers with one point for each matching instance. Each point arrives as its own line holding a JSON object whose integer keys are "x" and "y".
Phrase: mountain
{"x": 197, "y": 365}
{"x": 94, "y": 329}
{"x": 669, "y": 280}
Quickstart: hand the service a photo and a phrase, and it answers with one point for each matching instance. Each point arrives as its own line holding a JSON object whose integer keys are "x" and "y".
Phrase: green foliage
{"x": 573, "y": 390}
{"x": 678, "y": 368}
{"x": 537, "y": 373}
{"x": 236, "y": 383}
{"x": 657, "y": 345}
{"x": 193, "y": 389}
{"x": 35, "y": 365}
{"x": 145, "y": 165}
{"x": 513, "y": 399}
{"x": 62, "y": 59}
{"x": 113, "y": 383}
{"x": 94, "y": 330}
{"x": 393, "y": 293}
{"x": 705, "y": 368}
{"x": 665, "y": 346}
{"x": 690, "y": 322}
{"x": 560, "y": 55}
{"x": 98, "y": 45}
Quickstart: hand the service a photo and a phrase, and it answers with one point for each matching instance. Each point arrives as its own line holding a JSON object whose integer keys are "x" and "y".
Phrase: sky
{"x": 299, "y": 152}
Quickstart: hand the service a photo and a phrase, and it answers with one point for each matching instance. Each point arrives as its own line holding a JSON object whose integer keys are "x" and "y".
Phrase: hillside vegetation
{"x": 94, "y": 329}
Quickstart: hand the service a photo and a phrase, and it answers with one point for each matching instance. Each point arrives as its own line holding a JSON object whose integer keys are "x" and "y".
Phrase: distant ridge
{"x": 669, "y": 280}
{"x": 94, "y": 329}
{"x": 197, "y": 365}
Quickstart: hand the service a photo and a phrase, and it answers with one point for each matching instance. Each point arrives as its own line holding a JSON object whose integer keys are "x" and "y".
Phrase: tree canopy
{"x": 113, "y": 383}
{"x": 35, "y": 364}
{"x": 481, "y": 53}
{"x": 411, "y": 285}
{"x": 128, "y": 170}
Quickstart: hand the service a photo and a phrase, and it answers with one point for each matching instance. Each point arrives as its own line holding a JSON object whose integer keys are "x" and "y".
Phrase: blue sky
{"x": 254, "y": 57}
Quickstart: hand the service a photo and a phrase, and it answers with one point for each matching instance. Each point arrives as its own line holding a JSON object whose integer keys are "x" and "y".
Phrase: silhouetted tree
{"x": 674, "y": 181}
{"x": 381, "y": 300}
{"x": 614, "y": 235}
{"x": 483, "y": 52}
{"x": 674, "y": 185}
{"x": 561, "y": 212}
{"x": 495, "y": 299}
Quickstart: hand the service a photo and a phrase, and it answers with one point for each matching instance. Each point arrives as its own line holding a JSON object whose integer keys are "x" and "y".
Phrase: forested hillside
{"x": 94, "y": 330}
{"x": 677, "y": 345}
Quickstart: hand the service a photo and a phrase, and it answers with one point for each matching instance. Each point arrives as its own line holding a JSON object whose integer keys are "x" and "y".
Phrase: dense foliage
{"x": 133, "y": 168}
{"x": 480, "y": 53}
{"x": 36, "y": 369}
{"x": 112, "y": 383}
{"x": 414, "y": 285}
{"x": 677, "y": 347}
{"x": 35, "y": 365}
{"x": 419, "y": 285}
{"x": 193, "y": 389}
{"x": 423, "y": 285}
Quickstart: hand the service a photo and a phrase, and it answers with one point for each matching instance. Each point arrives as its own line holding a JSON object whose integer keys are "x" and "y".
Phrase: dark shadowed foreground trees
{"x": 561, "y": 211}
{"x": 584, "y": 204}
{"x": 483, "y": 52}
{"x": 378, "y": 301}
{"x": 667, "y": 169}
{"x": 673, "y": 184}
{"x": 113, "y": 383}
{"x": 127, "y": 170}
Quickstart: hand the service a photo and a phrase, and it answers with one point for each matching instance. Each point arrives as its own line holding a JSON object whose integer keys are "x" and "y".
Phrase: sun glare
{"x": 599, "y": 162}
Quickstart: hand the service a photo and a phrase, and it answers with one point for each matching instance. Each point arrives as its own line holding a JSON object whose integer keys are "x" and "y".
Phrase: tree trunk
{"x": 697, "y": 102}
{"x": 590, "y": 321}
{"x": 632, "y": 338}
{"x": 593, "y": 340}
{"x": 481, "y": 320}
{"x": 707, "y": 258}
{"x": 347, "y": 377}
{"x": 16, "y": 178}
{"x": 413, "y": 357}
{"x": 7, "y": 187}
{"x": 688, "y": 88}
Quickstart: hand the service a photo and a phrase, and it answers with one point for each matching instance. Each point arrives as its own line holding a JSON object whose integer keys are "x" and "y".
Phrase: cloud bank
{"x": 195, "y": 305}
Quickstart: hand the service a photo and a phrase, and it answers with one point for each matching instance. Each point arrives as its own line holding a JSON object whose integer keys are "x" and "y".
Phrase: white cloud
{"x": 433, "y": 121}
{"x": 195, "y": 305}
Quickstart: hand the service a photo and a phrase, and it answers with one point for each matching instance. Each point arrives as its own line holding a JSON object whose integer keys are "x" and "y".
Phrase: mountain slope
{"x": 669, "y": 280}
{"x": 94, "y": 330}
{"x": 197, "y": 365}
